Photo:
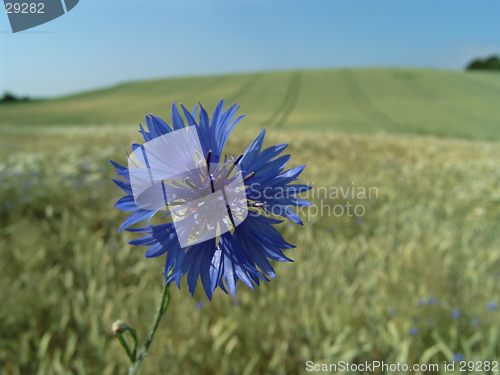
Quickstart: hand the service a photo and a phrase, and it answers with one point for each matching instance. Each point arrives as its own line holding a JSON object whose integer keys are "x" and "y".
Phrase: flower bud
{"x": 119, "y": 327}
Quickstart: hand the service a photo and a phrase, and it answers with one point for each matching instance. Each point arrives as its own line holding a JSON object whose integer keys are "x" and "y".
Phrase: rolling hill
{"x": 410, "y": 101}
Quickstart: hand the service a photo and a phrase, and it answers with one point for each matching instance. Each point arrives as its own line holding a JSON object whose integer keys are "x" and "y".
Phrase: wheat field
{"x": 382, "y": 286}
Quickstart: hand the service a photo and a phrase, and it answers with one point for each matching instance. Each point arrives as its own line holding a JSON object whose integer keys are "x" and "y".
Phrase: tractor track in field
{"x": 426, "y": 92}
{"x": 279, "y": 117}
{"x": 487, "y": 87}
{"x": 244, "y": 88}
{"x": 375, "y": 115}
{"x": 472, "y": 85}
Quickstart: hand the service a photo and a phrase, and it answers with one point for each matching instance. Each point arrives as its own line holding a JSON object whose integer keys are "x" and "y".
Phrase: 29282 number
{"x": 478, "y": 366}
{"x": 24, "y": 8}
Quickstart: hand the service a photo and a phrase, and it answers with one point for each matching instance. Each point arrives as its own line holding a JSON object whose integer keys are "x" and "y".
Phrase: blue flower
{"x": 242, "y": 253}
{"x": 432, "y": 300}
{"x": 458, "y": 357}
{"x": 413, "y": 331}
{"x": 198, "y": 305}
{"x": 455, "y": 314}
{"x": 492, "y": 306}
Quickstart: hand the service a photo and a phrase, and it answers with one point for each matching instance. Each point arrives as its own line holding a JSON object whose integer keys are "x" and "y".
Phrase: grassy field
{"x": 407, "y": 101}
{"x": 414, "y": 280}
{"x": 353, "y": 293}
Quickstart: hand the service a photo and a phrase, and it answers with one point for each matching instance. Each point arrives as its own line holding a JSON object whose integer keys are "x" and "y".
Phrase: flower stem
{"x": 119, "y": 328}
{"x": 127, "y": 349}
{"x": 162, "y": 308}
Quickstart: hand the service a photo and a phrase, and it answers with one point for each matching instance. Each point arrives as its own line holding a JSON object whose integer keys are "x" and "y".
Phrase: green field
{"x": 407, "y": 101}
{"x": 426, "y": 140}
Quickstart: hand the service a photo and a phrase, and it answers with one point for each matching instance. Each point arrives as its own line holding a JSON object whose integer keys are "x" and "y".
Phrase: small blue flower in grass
{"x": 455, "y": 314}
{"x": 432, "y": 300}
{"x": 492, "y": 306}
{"x": 413, "y": 331}
{"x": 458, "y": 357}
{"x": 242, "y": 253}
{"x": 198, "y": 305}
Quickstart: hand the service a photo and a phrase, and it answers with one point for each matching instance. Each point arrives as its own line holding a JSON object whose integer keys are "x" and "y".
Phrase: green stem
{"x": 126, "y": 347}
{"x": 135, "y": 341}
{"x": 119, "y": 328}
{"x": 162, "y": 308}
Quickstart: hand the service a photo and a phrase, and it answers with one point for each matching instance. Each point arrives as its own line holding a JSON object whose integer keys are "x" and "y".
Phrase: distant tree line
{"x": 489, "y": 63}
{"x": 10, "y": 98}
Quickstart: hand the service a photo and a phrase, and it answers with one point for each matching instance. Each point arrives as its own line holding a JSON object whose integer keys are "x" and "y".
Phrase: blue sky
{"x": 104, "y": 42}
